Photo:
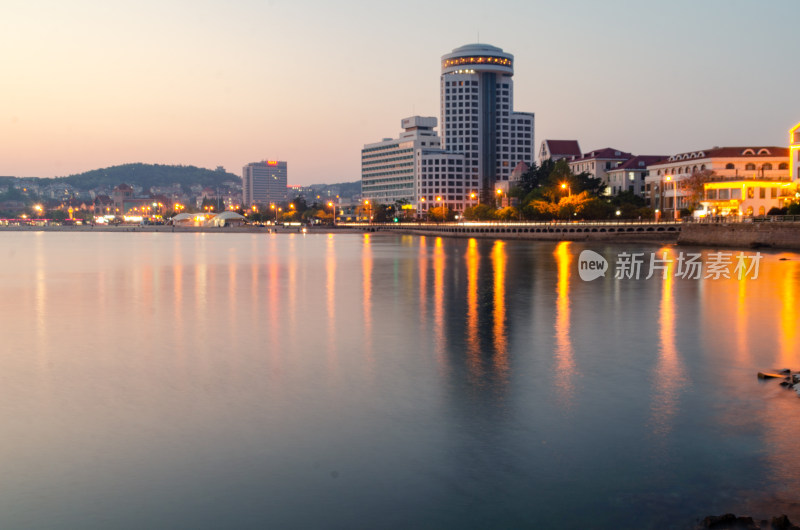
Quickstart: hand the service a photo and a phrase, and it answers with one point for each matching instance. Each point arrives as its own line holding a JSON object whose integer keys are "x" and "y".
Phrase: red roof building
{"x": 558, "y": 149}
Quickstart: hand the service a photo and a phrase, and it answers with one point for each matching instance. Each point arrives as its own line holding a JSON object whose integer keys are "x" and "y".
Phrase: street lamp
{"x": 565, "y": 186}
{"x": 369, "y": 211}
{"x": 675, "y": 197}
{"x": 333, "y": 208}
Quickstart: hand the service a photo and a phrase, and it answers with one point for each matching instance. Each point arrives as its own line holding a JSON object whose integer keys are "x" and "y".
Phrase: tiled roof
{"x": 727, "y": 152}
{"x": 607, "y": 152}
{"x": 564, "y": 147}
{"x": 639, "y": 162}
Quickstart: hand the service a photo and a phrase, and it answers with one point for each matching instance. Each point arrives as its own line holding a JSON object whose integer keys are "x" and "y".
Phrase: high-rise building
{"x": 388, "y": 167}
{"x": 263, "y": 183}
{"x": 478, "y": 117}
{"x": 483, "y": 139}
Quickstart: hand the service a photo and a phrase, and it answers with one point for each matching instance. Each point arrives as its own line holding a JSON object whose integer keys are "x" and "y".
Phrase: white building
{"x": 794, "y": 152}
{"x": 479, "y": 121}
{"x": 263, "y": 183}
{"x": 736, "y": 166}
{"x": 630, "y": 175}
{"x": 388, "y": 169}
{"x": 441, "y": 181}
{"x": 598, "y": 163}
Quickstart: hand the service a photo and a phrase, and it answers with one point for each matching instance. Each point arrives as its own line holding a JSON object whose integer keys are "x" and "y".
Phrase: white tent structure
{"x": 189, "y": 219}
{"x": 227, "y": 218}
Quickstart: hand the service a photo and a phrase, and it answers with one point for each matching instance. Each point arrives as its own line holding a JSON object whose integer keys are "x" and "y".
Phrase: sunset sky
{"x": 87, "y": 83}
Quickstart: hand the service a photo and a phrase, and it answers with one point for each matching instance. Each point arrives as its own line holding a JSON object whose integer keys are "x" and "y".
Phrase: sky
{"x": 87, "y": 84}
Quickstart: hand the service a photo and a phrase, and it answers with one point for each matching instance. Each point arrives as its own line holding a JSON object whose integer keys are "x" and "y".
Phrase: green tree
{"x": 480, "y": 212}
{"x": 539, "y": 210}
{"x": 508, "y": 213}
{"x": 441, "y": 213}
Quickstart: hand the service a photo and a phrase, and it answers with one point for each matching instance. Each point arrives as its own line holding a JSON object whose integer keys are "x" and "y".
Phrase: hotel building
{"x": 479, "y": 121}
{"x": 391, "y": 168}
{"x": 263, "y": 183}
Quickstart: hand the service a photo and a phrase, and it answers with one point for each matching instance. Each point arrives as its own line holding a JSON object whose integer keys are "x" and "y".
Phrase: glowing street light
{"x": 333, "y": 207}
{"x": 675, "y": 197}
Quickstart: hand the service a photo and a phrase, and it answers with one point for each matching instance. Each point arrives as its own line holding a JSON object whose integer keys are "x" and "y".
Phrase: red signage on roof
{"x": 272, "y": 162}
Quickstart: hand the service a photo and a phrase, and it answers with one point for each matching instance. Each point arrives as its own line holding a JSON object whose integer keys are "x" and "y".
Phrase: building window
{"x": 750, "y": 167}
{"x": 729, "y": 166}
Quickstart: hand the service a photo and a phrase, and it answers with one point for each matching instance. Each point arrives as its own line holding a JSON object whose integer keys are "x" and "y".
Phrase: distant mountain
{"x": 148, "y": 175}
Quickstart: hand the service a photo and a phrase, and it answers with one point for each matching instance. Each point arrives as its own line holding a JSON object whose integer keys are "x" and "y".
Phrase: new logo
{"x": 591, "y": 265}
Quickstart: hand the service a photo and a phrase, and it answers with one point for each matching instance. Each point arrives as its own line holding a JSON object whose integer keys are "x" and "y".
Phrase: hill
{"x": 148, "y": 175}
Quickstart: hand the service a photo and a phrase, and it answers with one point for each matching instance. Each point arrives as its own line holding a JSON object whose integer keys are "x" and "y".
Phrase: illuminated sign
{"x": 272, "y": 162}
{"x": 460, "y": 61}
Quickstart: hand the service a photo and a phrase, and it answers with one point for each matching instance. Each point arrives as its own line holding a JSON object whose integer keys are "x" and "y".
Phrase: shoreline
{"x": 772, "y": 236}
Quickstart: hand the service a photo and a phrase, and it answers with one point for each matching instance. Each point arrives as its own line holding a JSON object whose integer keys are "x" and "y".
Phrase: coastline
{"x": 776, "y": 236}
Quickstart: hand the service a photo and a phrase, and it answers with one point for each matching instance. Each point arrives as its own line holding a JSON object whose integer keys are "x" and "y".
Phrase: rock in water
{"x": 782, "y": 522}
{"x": 729, "y": 521}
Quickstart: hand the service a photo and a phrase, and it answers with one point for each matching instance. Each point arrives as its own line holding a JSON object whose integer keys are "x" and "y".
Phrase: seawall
{"x": 779, "y": 235}
{"x": 598, "y": 231}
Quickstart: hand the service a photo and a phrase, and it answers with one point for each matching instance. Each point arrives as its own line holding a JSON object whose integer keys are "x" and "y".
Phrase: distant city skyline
{"x": 88, "y": 84}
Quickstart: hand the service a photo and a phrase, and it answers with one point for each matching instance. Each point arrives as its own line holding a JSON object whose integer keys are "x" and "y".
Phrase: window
{"x": 762, "y": 193}
{"x": 750, "y": 167}
{"x": 729, "y": 166}
{"x": 750, "y": 192}
{"x": 767, "y": 166}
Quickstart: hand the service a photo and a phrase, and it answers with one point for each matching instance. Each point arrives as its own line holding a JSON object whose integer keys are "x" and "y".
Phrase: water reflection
{"x": 565, "y": 362}
{"x": 742, "y": 346}
{"x": 366, "y": 301}
{"x": 465, "y": 341}
{"x": 330, "y": 289}
{"x": 473, "y": 339}
{"x": 789, "y": 318}
{"x": 669, "y": 373}
{"x": 499, "y": 315}
{"x": 439, "y": 332}
{"x": 422, "y": 268}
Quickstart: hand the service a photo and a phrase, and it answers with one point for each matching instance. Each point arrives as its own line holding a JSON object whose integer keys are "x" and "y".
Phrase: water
{"x": 166, "y": 380}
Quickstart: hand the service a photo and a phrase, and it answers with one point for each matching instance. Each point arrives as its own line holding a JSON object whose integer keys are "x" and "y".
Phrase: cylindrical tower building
{"x": 478, "y": 120}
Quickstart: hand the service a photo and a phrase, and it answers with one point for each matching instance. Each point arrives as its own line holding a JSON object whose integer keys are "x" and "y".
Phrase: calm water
{"x": 160, "y": 380}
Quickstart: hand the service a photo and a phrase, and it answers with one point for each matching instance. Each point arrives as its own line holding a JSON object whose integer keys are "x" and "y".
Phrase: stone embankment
{"x": 778, "y": 235}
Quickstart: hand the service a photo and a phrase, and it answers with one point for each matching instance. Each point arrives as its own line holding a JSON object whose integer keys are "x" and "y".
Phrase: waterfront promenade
{"x": 778, "y": 233}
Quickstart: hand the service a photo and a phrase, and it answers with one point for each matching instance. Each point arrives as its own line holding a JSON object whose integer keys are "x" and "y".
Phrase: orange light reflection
{"x": 473, "y": 341}
{"x": 669, "y": 376}
{"x": 565, "y": 361}
{"x": 499, "y": 259}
